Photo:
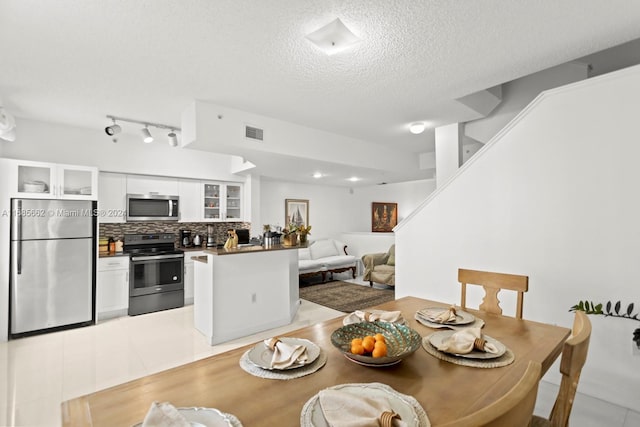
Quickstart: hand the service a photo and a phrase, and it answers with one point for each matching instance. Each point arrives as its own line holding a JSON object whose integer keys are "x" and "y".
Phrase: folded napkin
{"x": 343, "y": 409}
{"x": 465, "y": 341}
{"x": 445, "y": 316}
{"x": 285, "y": 355}
{"x": 383, "y": 316}
{"x": 164, "y": 415}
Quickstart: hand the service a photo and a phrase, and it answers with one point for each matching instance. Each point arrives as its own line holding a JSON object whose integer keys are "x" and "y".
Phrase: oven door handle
{"x": 156, "y": 257}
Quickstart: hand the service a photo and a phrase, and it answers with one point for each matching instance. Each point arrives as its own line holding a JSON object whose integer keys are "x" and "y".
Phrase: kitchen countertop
{"x": 249, "y": 249}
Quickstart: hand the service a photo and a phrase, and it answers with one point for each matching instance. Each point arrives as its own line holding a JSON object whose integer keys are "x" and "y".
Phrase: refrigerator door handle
{"x": 18, "y": 215}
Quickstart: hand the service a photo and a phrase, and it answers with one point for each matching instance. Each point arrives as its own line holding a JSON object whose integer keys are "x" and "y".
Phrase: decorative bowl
{"x": 401, "y": 341}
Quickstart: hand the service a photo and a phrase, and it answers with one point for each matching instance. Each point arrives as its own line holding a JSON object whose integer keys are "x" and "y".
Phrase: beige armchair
{"x": 380, "y": 267}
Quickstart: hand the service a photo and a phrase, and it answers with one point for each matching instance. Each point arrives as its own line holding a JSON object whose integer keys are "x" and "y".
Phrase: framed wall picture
{"x": 296, "y": 212}
{"x": 384, "y": 216}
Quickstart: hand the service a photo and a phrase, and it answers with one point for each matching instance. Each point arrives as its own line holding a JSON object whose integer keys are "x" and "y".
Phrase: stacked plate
{"x": 438, "y": 338}
{"x": 406, "y": 406}
{"x": 426, "y": 316}
{"x": 207, "y": 417}
{"x": 261, "y": 355}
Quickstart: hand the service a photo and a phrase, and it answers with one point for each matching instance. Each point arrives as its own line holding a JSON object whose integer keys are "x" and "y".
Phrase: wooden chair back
{"x": 574, "y": 356}
{"x": 514, "y": 409}
{"x": 492, "y": 284}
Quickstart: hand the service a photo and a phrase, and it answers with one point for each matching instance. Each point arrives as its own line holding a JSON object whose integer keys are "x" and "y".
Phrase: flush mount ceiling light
{"x": 148, "y": 138}
{"x": 354, "y": 179}
{"x": 7, "y": 125}
{"x": 416, "y": 128}
{"x": 317, "y": 175}
{"x": 333, "y": 37}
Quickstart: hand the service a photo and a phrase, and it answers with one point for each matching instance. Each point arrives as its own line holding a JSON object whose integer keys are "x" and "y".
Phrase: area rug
{"x": 346, "y": 297}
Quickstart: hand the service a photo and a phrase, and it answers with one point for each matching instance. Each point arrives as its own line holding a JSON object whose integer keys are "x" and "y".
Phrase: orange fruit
{"x": 379, "y": 337}
{"x": 379, "y": 351}
{"x": 368, "y": 343}
{"x": 357, "y": 341}
{"x": 380, "y": 344}
{"x": 357, "y": 349}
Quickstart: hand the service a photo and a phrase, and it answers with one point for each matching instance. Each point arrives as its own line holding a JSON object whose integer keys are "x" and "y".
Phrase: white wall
{"x": 554, "y": 196}
{"x": 58, "y": 143}
{"x": 334, "y": 211}
{"x": 518, "y": 93}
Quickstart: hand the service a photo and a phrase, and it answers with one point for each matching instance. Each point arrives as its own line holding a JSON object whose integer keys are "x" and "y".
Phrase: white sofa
{"x": 325, "y": 256}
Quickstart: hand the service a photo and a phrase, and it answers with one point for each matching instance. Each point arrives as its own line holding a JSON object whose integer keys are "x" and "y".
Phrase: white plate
{"x": 353, "y": 318}
{"x": 462, "y": 317}
{"x": 406, "y": 406}
{"x": 207, "y": 417}
{"x": 261, "y": 355}
{"x": 436, "y": 339}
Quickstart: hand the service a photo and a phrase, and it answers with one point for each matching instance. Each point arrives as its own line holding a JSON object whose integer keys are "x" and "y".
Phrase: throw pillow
{"x": 322, "y": 249}
{"x": 392, "y": 256}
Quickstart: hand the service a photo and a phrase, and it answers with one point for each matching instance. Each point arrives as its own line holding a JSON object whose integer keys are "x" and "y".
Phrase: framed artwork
{"x": 384, "y": 216}
{"x": 296, "y": 212}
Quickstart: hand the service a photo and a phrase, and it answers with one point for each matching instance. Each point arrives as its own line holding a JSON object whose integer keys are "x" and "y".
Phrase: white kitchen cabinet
{"x": 112, "y": 294}
{"x": 189, "y": 275}
{"x": 190, "y": 192}
{"x": 141, "y": 184}
{"x": 38, "y": 180}
{"x": 222, "y": 201}
{"x": 112, "y": 201}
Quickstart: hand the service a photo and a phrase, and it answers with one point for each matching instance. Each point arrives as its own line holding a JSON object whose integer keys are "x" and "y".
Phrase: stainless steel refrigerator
{"x": 53, "y": 265}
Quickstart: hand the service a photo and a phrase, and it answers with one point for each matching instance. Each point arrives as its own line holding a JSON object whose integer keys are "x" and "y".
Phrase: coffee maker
{"x": 211, "y": 238}
{"x": 185, "y": 239}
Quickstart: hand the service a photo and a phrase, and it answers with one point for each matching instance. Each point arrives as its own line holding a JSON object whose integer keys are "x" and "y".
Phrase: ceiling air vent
{"x": 253, "y": 133}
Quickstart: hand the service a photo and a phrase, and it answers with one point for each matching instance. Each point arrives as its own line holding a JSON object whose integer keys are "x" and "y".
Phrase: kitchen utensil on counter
{"x": 185, "y": 238}
{"x": 211, "y": 238}
{"x": 197, "y": 240}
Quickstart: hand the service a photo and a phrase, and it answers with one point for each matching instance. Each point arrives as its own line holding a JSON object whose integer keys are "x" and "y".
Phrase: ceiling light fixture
{"x": 317, "y": 175}
{"x": 146, "y": 135}
{"x": 354, "y": 179}
{"x": 173, "y": 139}
{"x": 416, "y": 128}
{"x": 116, "y": 128}
{"x": 333, "y": 37}
{"x": 7, "y": 125}
{"x": 113, "y": 129}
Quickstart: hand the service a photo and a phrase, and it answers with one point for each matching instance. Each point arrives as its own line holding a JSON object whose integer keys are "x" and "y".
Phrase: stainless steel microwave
{"x": 152, "y": 207}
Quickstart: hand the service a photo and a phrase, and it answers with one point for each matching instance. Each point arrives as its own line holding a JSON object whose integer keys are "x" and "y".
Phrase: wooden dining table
{"x": 445, "y": 390}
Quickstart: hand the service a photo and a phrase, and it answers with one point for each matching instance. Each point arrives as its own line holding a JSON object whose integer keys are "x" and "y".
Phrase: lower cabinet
{"x": 188, "y": 275}
{"x": 112, "y": 295}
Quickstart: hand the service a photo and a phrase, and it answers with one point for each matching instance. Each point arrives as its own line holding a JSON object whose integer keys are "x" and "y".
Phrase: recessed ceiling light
{"x": 416, "y": 128}
{"x": 333, "y": 37}
{"x": 354, "y": 179}
{"x": 317, "y": 175}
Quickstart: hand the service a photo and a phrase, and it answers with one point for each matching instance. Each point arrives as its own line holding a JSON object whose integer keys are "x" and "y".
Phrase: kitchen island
{"x": 238, "y": 292}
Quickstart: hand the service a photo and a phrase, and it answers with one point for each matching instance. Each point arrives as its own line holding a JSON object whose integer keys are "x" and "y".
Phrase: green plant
{"x": 590, "y": 308}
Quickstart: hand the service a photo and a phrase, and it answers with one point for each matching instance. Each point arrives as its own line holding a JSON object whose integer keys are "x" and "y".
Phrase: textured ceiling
{"x": 75, "y": 61}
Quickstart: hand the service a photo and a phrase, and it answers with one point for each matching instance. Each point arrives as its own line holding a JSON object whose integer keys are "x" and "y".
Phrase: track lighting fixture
{"x": 113, "y": 129}
{"x": 173, "y": 139}
{"x": 146, "y": 133}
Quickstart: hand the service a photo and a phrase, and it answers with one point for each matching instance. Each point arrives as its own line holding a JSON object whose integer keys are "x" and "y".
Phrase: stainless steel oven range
{"x": 155, "y": 272}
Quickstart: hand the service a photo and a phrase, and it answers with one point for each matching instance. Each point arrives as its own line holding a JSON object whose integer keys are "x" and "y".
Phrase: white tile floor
{"x": 38, "y": 373}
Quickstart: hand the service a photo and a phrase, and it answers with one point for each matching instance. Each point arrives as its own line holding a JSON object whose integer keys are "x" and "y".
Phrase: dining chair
{"x": 574, "y": 355}
{"x": 492, "y": 284}
{"x": 514, "y": 409}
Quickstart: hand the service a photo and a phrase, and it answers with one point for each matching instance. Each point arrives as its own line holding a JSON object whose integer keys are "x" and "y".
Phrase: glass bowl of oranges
{"x": 376, "y": 343}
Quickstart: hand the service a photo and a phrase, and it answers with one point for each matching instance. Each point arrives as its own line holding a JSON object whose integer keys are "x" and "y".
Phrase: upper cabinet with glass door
{"x": 222, "y": 202}
{"x": 50, "y": 180}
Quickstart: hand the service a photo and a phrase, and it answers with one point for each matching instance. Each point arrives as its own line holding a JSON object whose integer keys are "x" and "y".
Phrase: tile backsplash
{"x": 118, "y": 230}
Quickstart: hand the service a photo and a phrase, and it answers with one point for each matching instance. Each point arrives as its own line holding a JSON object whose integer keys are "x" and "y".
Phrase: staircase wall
{"x": 555, "y": 196}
